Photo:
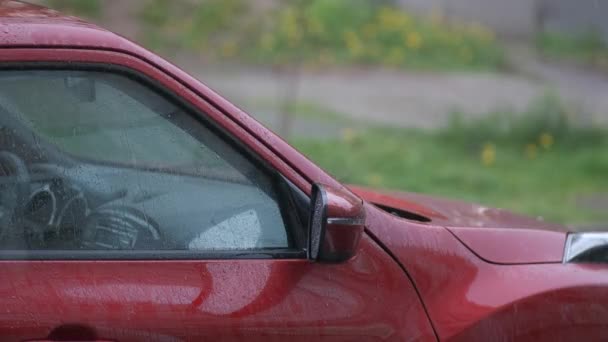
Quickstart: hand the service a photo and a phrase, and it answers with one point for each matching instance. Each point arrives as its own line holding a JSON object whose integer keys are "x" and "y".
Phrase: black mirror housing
{"x": 336, "y": 224}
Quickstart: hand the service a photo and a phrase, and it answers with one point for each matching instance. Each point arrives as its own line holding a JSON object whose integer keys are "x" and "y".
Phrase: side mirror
{"x": 337, "y": 220}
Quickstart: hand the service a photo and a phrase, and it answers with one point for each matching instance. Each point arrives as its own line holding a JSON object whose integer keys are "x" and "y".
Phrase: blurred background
{"x": 499, "y": 102}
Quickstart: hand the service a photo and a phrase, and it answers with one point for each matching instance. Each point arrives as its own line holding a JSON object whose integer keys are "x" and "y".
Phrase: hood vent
{"x": 590, "y": 247}
{"x": 403, "y": 214}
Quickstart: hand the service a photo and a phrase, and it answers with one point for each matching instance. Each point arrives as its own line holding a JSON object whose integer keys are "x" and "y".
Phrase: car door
{"x": 133, "y": 210}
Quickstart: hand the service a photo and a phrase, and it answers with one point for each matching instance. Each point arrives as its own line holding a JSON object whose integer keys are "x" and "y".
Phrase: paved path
{"x": 380, "y": 96}
{"x": 413, "y": 99}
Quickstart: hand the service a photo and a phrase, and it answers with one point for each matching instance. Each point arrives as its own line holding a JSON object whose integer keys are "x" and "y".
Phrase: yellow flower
{"x": 546, "y": 140}
{"x": 353, "y": 43}
{"x": 348, "y": 135}
{"x": 531, "y": 151}
{"x": 384, "y": 15}
{"x": 391, "y": 18}
{"x": 290, "y": 26}
{"x": 374, "y": 179}
{"x": 413, "y": 40}
{"x": 488, "y": 154}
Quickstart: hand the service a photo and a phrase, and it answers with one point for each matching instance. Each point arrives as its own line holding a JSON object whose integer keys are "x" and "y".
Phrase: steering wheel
{"x": 14, "y": 188}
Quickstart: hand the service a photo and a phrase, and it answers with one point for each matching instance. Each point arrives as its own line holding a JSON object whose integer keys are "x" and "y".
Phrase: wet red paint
{"x": 343, "y": 204}
{"x": 494, "y": 235}
{"x": 244, "y": 300}
{"x": 513, "y": 245}
{"x": 391, "y": 200}
{"x": 449, "y": 273}
{"x": 470, "y": 299}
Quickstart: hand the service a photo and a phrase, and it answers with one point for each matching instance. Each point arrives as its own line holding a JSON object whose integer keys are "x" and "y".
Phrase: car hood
{"x": 495, "y": 235}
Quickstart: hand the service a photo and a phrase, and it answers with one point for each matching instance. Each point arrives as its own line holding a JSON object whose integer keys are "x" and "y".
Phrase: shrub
{"x": 361, "y": 32}
{"x": 190, "y": 25}
{"x": 321, "y": 32}
{"x": 546, "y": 122}
{"x": 587, "y": 47}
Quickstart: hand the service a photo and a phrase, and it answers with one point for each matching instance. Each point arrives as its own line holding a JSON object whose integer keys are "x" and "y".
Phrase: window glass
{"x": 96, "y": 161}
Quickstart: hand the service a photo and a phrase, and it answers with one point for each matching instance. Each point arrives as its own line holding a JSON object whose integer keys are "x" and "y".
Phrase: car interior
{"x": 92, "y": 160}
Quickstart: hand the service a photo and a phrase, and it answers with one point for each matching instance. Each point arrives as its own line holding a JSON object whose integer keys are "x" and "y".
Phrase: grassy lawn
{"x": 547, "y": 185}
{"x": 584, "y": 48}
{"x": 538, "y": 166}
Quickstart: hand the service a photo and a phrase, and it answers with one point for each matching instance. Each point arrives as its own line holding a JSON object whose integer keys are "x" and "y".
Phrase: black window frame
{"x": 291, "y": 209}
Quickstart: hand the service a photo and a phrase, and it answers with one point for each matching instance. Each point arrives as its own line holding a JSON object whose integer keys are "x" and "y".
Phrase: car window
{"x": 94, "y": 160}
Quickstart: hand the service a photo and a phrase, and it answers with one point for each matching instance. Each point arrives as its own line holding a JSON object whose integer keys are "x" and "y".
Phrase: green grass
{"x": 546, "y": 186}
{"x": 532, "y": 168}
{"x": 586, "y": 48}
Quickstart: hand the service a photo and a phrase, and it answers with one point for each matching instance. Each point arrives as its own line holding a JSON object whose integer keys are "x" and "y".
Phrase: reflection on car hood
{"x": 493, "y": 234}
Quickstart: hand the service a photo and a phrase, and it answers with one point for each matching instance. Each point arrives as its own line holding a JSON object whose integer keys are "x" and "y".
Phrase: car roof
{"x": 27, "y": 25}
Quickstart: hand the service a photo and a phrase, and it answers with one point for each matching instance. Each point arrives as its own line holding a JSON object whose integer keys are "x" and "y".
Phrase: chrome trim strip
{"x": 579, "y": 243}
{"x": 346, "y": 221}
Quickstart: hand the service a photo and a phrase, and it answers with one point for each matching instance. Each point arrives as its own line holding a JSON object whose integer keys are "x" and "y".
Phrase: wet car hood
{"x": 495, "y": 235}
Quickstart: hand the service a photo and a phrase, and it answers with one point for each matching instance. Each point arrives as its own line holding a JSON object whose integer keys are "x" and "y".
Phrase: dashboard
{"x": 48, "y": 206}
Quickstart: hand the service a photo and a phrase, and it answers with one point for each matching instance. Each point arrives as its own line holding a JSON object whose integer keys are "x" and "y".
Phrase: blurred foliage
{"x": 531, "y": 168}
{"x": 85, "y": 8}
{"x": 361, "y": 32}
{"x": 199, "y": 26}
{"x": 546, "y": 122}
{"x": 588, "y": 48}
{"x": 319, "y": 32}
{"x": 213, "y": 28}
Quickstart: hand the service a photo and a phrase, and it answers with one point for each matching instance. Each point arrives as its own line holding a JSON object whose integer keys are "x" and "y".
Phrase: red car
{"x": 136, "y": 204}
